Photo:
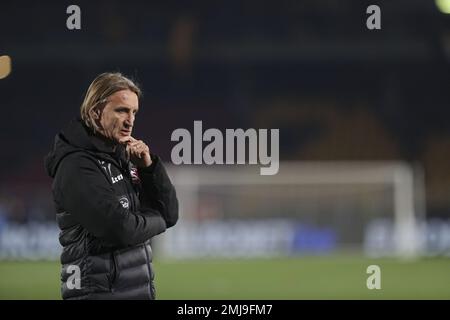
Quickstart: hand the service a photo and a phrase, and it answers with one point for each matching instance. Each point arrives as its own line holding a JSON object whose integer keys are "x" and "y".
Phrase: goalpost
{"x": 308, "y": 207}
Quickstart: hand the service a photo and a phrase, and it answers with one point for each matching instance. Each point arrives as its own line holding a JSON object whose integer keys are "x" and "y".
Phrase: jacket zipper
{"x": 131, "y": 193}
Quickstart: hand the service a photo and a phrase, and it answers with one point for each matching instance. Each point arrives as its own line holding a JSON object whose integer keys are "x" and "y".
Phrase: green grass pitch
{"x": 327, "y": 277}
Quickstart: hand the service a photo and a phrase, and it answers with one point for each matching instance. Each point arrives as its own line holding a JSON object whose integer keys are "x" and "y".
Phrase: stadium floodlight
{"x": 5, "y": 66}
{"x": 443, "y": 6}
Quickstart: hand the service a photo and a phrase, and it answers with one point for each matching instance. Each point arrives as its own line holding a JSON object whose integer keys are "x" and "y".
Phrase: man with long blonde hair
{"x": 111, "y": 196}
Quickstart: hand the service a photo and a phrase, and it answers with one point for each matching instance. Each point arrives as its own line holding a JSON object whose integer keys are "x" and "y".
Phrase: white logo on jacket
{"x": 116, "y": 178}
{"x": 107, "y": 169}
{"x": 124, "y": 202}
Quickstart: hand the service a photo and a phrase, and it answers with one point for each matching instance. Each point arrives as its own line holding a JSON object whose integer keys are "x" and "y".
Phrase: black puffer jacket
{"x": 107, "y": 211}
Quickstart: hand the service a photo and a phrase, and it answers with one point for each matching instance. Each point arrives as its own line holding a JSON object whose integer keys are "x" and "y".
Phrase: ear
{"x": 95, "y": 113}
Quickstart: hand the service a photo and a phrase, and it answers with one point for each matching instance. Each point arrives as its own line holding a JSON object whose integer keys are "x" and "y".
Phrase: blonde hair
{"x": 103, "y": 86}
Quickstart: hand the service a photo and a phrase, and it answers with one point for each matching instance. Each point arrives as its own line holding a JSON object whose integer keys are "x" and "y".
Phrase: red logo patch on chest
{"x": 134, "y": 176}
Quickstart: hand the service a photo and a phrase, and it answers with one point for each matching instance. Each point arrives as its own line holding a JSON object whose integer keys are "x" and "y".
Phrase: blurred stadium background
{"x": 364, "y": 141}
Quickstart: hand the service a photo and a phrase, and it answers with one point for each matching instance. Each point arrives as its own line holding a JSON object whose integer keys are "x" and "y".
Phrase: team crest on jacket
{"x": 134, "y": 175}
{"x": 124, "y": 202}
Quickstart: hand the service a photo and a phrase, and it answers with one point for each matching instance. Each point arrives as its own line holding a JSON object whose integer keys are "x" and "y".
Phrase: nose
{"x": 129, "y": 121}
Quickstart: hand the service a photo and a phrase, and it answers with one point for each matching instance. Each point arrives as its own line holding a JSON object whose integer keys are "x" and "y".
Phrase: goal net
{"x": 307, "y": 208}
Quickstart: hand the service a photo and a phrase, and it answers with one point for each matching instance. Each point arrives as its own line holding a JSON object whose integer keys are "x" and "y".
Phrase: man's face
{"x": 117, "y": 117}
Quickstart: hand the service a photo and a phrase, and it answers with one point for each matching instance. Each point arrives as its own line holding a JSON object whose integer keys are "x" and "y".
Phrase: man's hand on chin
{"x": 138, "y": 151}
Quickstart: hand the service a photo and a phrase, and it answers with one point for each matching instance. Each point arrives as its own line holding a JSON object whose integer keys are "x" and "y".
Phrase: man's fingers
{"x": 136, "y": 142}
{"x": 136, "y": 148}
{"x": 127, "y": 140}
{"x": 139, "y": 149}
{"x": 124, "y": 140}
{"x": 139, "y": 145}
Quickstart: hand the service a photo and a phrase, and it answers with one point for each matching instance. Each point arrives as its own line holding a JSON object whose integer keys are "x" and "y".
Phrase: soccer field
{"x": 337, "y": 277}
